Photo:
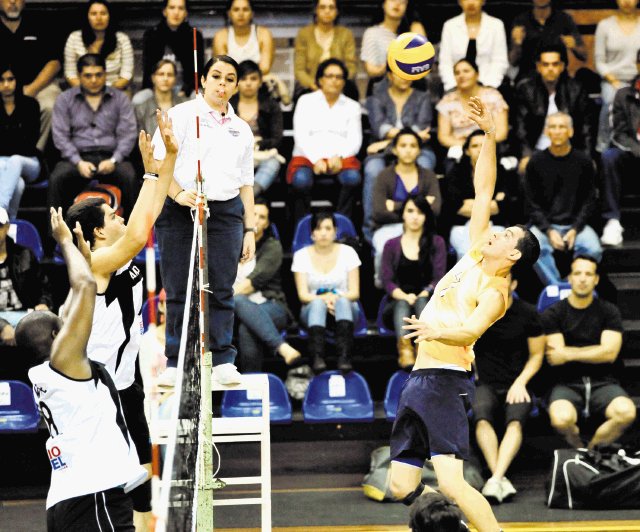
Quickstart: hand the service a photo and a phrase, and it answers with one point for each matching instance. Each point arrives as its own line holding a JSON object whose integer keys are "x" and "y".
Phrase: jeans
{"x": 373, "y": 165}
{"x": 314, "y": 314}
{"x": 266, "y": 173}
{"x": 615, "y": 164}
{"x": 607, "y": 94}
{"x": 14, "y": 170}
{"x": 587, "y": 243}
{"x": 174, "y": 229}
{"x": 460, "y": 240}
{"x": 258, "y": 325}
{"x": 396, "y": 310}
{"x": 381, "y": 236}
{"x": 302, "y": 184}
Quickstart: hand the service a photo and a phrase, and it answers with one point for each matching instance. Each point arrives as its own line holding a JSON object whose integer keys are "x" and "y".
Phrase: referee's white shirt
{"x": 225, "y": 149}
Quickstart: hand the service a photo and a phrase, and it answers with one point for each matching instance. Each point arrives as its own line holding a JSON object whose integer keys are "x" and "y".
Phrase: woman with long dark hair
{"x": 412, "y": 265}
{"x": 19, "y": 131}
{"x": 98, "y": 35}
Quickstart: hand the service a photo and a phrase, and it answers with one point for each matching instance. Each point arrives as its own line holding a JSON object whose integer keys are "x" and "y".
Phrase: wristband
{"x": 492, "y": 130}
{"x": 250, "y": 230}
{"x": 150, "y": 175}
{"x": 176, "y": 196}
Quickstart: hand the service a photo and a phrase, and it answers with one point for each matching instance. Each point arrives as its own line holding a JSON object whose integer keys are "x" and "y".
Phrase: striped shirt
{"x": 119, "y": 62}
{"x": 375, "y": 42}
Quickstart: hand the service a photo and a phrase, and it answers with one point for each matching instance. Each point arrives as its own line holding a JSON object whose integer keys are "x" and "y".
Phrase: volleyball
{"x": 411, "y": 56}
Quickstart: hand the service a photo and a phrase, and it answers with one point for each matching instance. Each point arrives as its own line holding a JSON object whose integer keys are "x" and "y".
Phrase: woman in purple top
{"x": 412, "y": 265}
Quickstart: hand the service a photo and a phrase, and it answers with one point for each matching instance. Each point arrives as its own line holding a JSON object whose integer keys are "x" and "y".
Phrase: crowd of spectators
{"x": 555, "y": 146}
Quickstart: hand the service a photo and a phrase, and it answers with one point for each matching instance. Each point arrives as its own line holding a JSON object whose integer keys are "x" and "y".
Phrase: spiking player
{"x": 432, "y": 413}
{"x": 116, "y": 332}
{"x": 94, "y": 463}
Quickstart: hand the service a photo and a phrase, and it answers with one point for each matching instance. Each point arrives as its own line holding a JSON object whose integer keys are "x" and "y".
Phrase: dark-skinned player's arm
{"x": 484, "y": 180}
{"x": 69, "y": 349}
{"x": 147, "y": 208}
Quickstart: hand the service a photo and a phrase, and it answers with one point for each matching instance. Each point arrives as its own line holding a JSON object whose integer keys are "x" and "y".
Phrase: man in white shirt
{"x": 225, "y": 153}
{"x": 327, "y": 131}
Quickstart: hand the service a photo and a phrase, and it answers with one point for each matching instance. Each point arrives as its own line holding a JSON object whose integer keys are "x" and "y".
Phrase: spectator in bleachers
{"x": 412, "y": 264}
{"x": 327, "y": 276}
{"x": 35, "y": 49}
{"x": 616, "y": 45}
{"x": 584, "y": 338}
{"x": 460, "y": 195}
{"x": 260, "y": 304}
{"x": 7, "y": 333}
{"x": 319, "y": 41}
{"x": 477, "y": 37}
{"x": 394, "y": 185}
{"x": 454, "y": 126}
{"x": 560, "y": 192}
{"x": 98, "y": 35}
{"x": 549, "y": 91}
{"x": 399, "y": 106}
{"x": 242, "y": 39}
{"x": 94, "y": 127}
{"x": 23, "y": 284}
{"x": 327, "y": 130}
{"x": 171, "y": 38}
{"x": 508, "y": 355}
{"x": 19, "y": 130}
{"x": 163, "y": 96}
{"x": 536, "y": 26}
{"x": 256, "y": 107}
{"x": 397, "y": 17}
{"x": 623, "y": 157}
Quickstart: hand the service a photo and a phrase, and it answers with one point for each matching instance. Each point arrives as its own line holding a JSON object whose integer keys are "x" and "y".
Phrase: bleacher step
{"x": 628, "y": 286}
{"x": 624, "y": 258}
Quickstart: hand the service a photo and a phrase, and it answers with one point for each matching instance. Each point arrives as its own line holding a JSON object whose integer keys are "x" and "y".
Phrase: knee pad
{"x": 141, "y": 497}
{"x": 408, "y": 500}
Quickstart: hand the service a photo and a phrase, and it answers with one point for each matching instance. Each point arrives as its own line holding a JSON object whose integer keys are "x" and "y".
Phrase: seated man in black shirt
{"x": 508, "y": 355}
{"x": 584, "y": 336}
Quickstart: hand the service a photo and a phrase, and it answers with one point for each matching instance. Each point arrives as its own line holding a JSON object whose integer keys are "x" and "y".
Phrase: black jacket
{"x": 532, "y": 102}
{"x": 29, "y": 281}
{"x": 269, "y": 120}
{"x": 626, "y": 118}
{"x": 19, "y": 131}
{"x": 180, "y": 41}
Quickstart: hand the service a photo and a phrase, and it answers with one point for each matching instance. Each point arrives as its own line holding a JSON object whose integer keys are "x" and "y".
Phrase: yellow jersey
{"x": 453, "y": 301}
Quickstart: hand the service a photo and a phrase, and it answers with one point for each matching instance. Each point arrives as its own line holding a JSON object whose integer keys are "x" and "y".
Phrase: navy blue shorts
{"x": 432, "y": 416}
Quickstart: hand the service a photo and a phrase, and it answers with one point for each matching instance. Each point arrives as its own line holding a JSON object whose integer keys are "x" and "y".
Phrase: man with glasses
{"x": 94, "y": 127}
{"x": 327, "y": 131}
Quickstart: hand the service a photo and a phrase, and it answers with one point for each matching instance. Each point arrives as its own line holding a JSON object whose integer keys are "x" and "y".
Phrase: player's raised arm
{"x": 69, "y": 349}
{"x": 484, "y": 180}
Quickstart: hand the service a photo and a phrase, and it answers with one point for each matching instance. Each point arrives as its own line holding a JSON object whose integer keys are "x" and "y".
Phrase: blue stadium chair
{"x": 25, "y": 234}
{"x": 553, "y": 293}
{"x": 392, "y": 393}
{"x": 360, "y": 327}
{"x": 145, "y": 311}
{"x": 382, "y": 330}
{"x": 336, "y": 398}
{"x": 141, "y": 258}
{"x": 18, "y": 410}
{"x": 302, "y": 235}
{"x": 239, "y": 403}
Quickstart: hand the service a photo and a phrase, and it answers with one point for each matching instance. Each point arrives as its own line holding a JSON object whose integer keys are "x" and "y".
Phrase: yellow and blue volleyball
{"x": 411, "y": 56}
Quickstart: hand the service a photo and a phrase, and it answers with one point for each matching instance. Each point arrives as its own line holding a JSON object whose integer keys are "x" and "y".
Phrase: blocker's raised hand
{"x": 478, "y": 112}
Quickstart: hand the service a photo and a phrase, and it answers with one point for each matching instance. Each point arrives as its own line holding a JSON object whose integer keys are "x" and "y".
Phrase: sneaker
{"x": 226, "y": 374}
{"x": 493, "y": 491}
{"x": 508, "y": 490}
{"x": 612, "y": 233}
{"x": 167, "y": 379}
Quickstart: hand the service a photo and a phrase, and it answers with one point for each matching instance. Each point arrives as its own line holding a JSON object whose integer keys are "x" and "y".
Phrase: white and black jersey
{"x": 89, "y": 446}
{"x": 117, "y": 325}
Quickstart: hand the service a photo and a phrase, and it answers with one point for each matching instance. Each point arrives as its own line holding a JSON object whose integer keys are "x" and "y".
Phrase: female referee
{"x": 225, "y": 149}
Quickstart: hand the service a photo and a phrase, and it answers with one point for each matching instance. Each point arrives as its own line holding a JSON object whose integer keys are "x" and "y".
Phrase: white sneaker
{"x": 612, "y": 233}
{"x": 508, "y": 490}
{"x": 226, "y": 374}
{"x": 167, "y": 379}
{"x": 493, "y": 490}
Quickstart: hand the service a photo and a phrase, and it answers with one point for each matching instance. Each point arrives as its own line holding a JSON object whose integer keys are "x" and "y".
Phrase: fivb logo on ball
{"x": 411, "y": 56}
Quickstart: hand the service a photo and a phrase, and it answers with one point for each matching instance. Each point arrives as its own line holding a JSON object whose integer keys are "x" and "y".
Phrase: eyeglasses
{"x": 339, "y": 77}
